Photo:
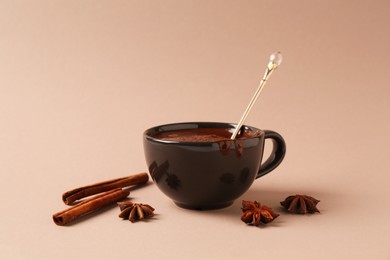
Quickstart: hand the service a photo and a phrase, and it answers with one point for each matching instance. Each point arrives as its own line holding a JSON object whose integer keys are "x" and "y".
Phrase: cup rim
{"x": 148, "y": 133}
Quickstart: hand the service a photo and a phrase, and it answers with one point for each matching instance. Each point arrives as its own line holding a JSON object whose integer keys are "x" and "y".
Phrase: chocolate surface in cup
{"x": 203, "y": 135}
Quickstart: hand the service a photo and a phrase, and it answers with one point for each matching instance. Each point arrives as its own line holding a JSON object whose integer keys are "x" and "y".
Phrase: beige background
{"x": 81, "y": 80}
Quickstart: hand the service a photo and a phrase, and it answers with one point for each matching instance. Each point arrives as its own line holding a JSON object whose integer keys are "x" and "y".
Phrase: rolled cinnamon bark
{"x": 63, "y": 217}
{"x": 85, "y": 191}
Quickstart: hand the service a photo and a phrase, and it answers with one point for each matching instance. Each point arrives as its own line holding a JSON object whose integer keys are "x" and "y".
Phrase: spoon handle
{"x": 274, "y": 62}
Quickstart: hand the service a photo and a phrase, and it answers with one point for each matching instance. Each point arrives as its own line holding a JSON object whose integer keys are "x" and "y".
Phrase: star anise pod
{"x": 135, "y": 211}
{"x": 300, "y": 204}
{"x": 255, "y": 213}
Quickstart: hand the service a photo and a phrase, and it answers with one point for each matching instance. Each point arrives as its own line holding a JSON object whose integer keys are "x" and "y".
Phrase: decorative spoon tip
{"x": 276, "y": 58}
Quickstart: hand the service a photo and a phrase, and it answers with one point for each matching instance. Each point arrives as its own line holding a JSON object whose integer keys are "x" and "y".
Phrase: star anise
{"x": 255, "y": 213}
{"x": 300, "y": 204}
{"x": 135, "y": 211}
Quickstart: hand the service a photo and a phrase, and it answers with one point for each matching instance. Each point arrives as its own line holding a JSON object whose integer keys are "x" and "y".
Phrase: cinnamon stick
{"x": 63, "y": 217}
{"x": 85, "y": 191}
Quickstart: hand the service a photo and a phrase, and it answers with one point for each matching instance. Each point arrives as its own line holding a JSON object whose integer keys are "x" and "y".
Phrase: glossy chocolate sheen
{"x": 203, "y": 135}
{"x": 211, "y": 173}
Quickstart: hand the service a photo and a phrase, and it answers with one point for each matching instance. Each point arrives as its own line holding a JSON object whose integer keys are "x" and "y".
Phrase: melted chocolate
{"x": 197, "y": 135}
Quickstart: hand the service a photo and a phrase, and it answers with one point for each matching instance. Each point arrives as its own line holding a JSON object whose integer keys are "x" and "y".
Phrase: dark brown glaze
{"x": 211, "y": 173}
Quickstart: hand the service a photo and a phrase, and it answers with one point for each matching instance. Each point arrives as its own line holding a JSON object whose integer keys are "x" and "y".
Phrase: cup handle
{"x": 277, "y": 154}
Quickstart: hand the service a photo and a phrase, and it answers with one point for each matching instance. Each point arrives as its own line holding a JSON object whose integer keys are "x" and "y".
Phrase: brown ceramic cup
{"x": 211, "y": 174}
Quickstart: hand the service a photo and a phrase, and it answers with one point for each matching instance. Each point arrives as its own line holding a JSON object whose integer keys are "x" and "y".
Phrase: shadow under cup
{"x": 209, "y": 175}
